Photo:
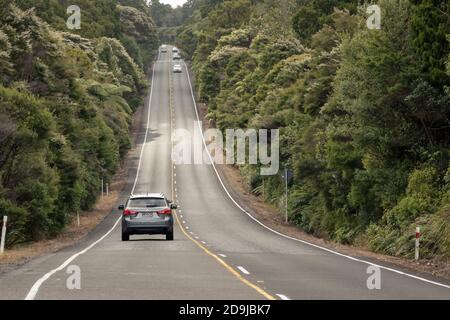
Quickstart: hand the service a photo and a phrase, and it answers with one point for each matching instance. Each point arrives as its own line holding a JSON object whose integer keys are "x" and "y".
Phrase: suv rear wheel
{"x": 125, "y": 236}
{"x": 169, "y": 236}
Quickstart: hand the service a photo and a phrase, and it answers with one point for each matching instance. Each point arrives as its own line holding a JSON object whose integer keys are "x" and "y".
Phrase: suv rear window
{"x": 147, "y": 203}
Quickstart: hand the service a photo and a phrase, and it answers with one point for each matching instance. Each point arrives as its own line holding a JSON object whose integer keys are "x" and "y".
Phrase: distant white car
{"x": 163, "y": 48}
{"x": 175, "y": 49}
{"x": 177, "y": 68}
{"x": 176, "y": 56}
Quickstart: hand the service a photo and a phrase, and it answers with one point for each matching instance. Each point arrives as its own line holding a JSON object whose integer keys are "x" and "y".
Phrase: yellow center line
{"x": 206, "y": 250}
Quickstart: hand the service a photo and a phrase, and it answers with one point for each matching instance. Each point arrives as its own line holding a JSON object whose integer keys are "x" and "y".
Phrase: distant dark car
{"x": 147, "y": 214}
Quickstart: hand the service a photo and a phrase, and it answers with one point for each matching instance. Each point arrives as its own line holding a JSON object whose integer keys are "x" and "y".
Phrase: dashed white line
{"x": 242, "y": 269}
{"x": 222, "y": 255}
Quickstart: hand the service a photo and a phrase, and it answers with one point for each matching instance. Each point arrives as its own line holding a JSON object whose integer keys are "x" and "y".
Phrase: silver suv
{"x": 147, "y": 214}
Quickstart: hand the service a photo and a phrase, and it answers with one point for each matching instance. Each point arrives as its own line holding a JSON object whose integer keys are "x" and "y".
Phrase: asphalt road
{"x": 219, "y": 252}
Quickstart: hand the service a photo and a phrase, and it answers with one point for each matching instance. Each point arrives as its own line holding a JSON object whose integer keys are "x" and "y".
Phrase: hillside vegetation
{"x": 66, "y": 102}
{"x": 363, "y": 113}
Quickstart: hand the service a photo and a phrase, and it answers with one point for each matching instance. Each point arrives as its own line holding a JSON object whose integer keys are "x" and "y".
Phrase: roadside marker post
{"x": 102, "y": 188}
{"x": 107, "y": 189}
{"x": 2, "y": 243}
{"x": 417, "y": 243}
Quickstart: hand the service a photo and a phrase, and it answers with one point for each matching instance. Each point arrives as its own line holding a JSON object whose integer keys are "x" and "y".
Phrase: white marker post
{"x": 417, "y": 243}
{"x": 78, "y": 217}
{"x": 2, "y": 242}
{"x": 107, "y": 189}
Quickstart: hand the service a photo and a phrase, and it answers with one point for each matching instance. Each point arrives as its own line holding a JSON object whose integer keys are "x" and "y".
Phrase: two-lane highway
{"x": 219, "y": 251}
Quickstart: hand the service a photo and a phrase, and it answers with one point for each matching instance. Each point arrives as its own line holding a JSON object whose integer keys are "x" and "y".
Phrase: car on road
{"x": 164, "y": 49}
{"x": 176, "y": 56}
{"x": 177, "y": 68}
{"x": 175, "y": 50}
{"x": 147, "y": 214}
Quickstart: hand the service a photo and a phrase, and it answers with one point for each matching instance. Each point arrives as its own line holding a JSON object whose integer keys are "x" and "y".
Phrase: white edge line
{"x": 279, "y": 233}
{"x": 283, "y": 297}
{"x": 243, "y": 270}
{"x": 35, "y": 288}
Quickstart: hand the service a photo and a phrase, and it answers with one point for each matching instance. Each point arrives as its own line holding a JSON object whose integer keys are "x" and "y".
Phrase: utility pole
{"x": 2, "y": 242}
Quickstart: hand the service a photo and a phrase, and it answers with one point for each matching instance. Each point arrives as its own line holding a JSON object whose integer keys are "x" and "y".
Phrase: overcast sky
{"x": 173, "y": 3}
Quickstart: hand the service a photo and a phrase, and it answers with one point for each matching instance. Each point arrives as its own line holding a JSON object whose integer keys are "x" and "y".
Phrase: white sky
{"x": 173, "y": 3}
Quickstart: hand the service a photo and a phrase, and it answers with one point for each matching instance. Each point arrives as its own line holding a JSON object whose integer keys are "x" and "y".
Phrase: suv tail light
{"x": 165, "y": 212}
{"x": 128, "y": 212}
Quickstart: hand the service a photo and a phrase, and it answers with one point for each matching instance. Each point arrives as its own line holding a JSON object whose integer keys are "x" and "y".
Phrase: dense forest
{"x": 364, "y": 113}
{"x": 66, "y": 104}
